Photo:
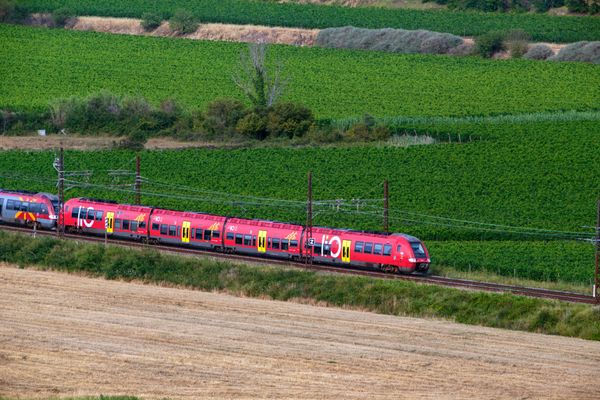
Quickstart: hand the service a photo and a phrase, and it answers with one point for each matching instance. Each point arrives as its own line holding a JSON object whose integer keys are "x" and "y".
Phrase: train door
{"x": 1, "y": 203}
{"x": 185, "y": 232}
{"x": 346, "y": 250}
{"x": 262, "y": 241}
{"x": 109, "y": 222}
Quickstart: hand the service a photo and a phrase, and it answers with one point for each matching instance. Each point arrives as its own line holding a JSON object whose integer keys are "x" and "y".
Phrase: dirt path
{"x": 63, "y": 335}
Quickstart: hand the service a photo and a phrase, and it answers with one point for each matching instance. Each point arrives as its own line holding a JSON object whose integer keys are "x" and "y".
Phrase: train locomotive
{"x": 393, "y": 252}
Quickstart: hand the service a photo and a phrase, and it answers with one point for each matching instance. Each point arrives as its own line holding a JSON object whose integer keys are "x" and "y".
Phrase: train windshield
{"x": 55, "y": 206}
{"x": 418, "y": 249}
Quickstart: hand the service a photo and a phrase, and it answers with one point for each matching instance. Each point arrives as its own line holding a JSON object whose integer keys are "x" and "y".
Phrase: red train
{"x": 394, "y": 252}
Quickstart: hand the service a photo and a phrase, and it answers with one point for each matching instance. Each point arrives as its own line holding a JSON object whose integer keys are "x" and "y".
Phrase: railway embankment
{"x": 277, "y": 283}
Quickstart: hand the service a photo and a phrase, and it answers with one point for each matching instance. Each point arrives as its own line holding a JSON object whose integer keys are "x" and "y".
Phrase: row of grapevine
{"x": 541, "y": 27}
{"x": 47, "y": 64}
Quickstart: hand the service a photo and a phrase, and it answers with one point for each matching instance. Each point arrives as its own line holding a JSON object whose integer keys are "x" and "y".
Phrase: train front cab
{"x": 411, "y": 254}
{"x": 24, "y": 208}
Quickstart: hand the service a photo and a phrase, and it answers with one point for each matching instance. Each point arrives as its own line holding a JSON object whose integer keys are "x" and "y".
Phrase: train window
{"x": 75, "y": 212}
{"x": 164, "y": 229}
{"x": 398, "y": 249}
{"x": 253, "y": 241}
{"x": 91, "y": 215}
{"x": 142, "y": 224}
{"x": 216, "y": 234}
{"x": 35, "y": 208}
{"x": 134, "y": 226}
{"x": 377, "y": 249}
{"x": 368, "y": 248}
{"x": 99, "y": 215}
{"x": 155, "y": 226}
{"x": 117, "y": 224}
{"x": 207, "y": 234}
{"x": 44, "y": 209}
{"x": 275, "y": 243}
{"x": 326, "y": 249}
{"x": 24, "y": 206}
{"x": 293, "y": 243}
{"x": 285, "y": 244}
{"x": 178, "y": 234}
{"x": 247, "y": 240}
{"x": 239, "y": 238}
{"x": 199, "y": 234}
{"x": 193, "y": 233}
{"x": 229, "y": 236}
{"x": 358, "y": 247}
{"x": 269, "y": 243}
{"x": 126, "y": 224}
{"x": 317, "y": 249}
{"x": 387, "y": 249}
{"x": 172, "y": 230}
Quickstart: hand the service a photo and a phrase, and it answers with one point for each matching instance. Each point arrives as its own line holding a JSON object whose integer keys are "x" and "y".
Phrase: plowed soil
{"x": 64, "y": 335}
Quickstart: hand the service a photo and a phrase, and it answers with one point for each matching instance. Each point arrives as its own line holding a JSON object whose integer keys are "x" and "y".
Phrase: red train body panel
{"x": 187, "y": 228}
{"x": 98, "y": 216}
{"x": 267, "y": 238}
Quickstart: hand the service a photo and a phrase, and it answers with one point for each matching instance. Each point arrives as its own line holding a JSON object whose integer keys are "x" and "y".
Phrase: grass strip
{"x": 376, "y": 295}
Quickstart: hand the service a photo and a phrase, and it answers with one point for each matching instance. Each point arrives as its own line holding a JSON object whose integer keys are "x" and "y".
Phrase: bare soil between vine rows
{"x": 69, "y": 335}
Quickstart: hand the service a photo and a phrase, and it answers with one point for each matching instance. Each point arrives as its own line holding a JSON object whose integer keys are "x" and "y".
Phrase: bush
{"x": 579, "y": 51}
{"x": 62, "y": 16}
{"x": 289, "y": 120}
{"x": 222, "y": 116}
{"x": 391, "y": 40}
{"x": 11, "y": 12}
{"x": 367, "y": 130}
{"x": 538, "y": 52}
{"x": 183, "y": 22}
{"x": 253, "y": 125}
{"x": 490, "y": 43}
{"x": 150, "y": 21}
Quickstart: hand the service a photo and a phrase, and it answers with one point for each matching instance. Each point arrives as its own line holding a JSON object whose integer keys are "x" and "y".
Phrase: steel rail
{"x": 423, "y": 279}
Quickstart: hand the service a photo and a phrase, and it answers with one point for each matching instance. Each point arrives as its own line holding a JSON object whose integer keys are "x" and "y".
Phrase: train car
{"x": 187, "y": 228}
{"x": 29, "y": 208}
{"x": 99, "y": 216}
{"x": 263, "y": 238}
{"x": 387, "y": 252}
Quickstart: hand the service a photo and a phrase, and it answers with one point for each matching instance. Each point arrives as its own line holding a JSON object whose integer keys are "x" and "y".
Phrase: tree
{"x": 262, "y": 86}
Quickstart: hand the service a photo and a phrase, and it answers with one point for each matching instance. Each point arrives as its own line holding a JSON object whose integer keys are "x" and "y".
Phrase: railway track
{"x": 433, "y": 280}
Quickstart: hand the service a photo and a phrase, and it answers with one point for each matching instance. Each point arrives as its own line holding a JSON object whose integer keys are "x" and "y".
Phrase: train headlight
{"x": 412, "y": 260}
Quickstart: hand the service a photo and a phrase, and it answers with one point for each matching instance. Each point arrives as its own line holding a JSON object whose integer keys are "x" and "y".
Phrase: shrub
{"x": 183, "y": 22}
{"x": 579, "y": 51}
{"x": 367, "y": 130}
{"x": 289, "y": 120}
{"x": 391, "y": 40}
{"x": 62, "y": 16}
{"x": 538, "y": 52}
{"x": 222, "y": 116}
{"x": 490, "y": 43}
{"x": 11, "y": 12}
{"x": 150, "y": 21}
{"x": 578, "y": 6}
{"x": 253, "y": 125}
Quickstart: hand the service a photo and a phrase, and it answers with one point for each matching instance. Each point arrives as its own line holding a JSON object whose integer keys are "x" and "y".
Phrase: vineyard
{"x": 48, "y": 64}
{"x": 539, "y": 177}
{"x": 541, "y": 27}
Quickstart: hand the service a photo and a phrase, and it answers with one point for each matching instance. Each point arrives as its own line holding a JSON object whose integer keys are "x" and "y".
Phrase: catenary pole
{"x": 138, "y": 181}
{"x": 60, "y": 227}
{"x": 309, "y": 236}
{"x": 597, "y": 271}
{"x": 386, "y": 203}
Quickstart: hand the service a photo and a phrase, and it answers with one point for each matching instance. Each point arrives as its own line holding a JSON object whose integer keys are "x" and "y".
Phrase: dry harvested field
{"x": 65, "y": 335}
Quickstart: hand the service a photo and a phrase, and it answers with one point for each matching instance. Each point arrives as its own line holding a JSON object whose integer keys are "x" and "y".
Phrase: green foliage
{"x": 183, "y": 22}
{"x": 382, "y": 296}
{"x": 542, "y": 27}
{"x": 289, "y": 120}
{"x": 580, "y": 51}
{"x": 490, "y": 43}
{"x": 554, "y": 261}
{"x": 150, "y": 21}
{"x": 222, "y": 116}
{"x": 61, "y": 16}
{"x": 11, "y": 12}
{"x": 47, "y": 64}
{"x": 253, "y": 125}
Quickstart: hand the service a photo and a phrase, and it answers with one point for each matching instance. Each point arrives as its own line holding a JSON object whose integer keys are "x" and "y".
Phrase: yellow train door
{"x": 261, "y": 244}
{"x": 109, "y": 222}
{"x": 185, "y": 232}
{"x": 346, "y": 250}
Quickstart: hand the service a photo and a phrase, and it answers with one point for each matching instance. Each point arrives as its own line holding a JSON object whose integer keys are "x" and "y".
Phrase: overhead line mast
{"x": 309, "y": 223}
